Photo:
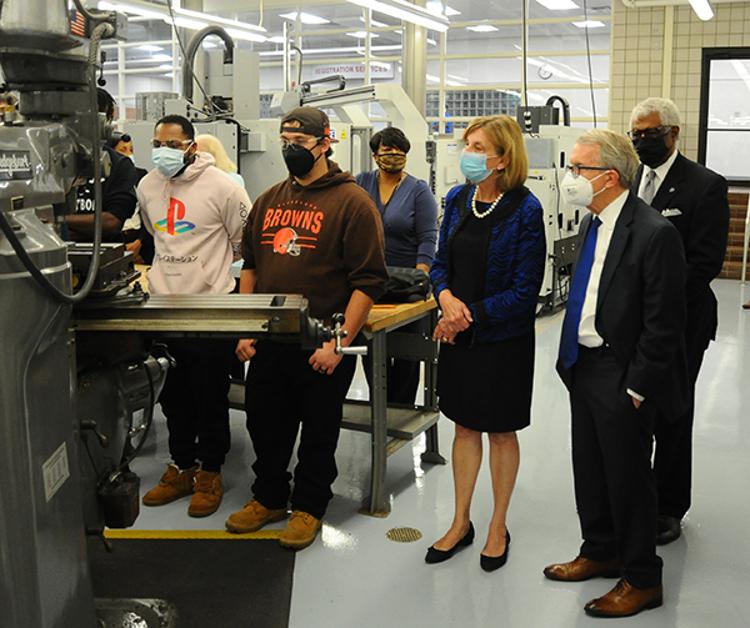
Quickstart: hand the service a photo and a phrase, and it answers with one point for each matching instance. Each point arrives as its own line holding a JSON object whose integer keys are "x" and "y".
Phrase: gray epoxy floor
{"x": 354, "y": 576}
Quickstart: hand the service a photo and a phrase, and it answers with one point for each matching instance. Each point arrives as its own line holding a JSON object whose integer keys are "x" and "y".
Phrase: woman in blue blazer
{"x": 486, "y": 275}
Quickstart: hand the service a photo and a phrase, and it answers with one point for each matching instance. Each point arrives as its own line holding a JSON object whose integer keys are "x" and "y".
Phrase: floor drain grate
{"x": 403, "y": 535}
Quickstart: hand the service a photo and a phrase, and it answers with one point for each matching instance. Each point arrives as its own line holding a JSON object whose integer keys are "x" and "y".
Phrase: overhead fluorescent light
{"x": 589, "y": 24}
{"x": 374, "y": 23}
{"x": 362, "y": 35}
{"x": 432, "y": 42}
{"x": 305, "y": 18}
{"x": 558, "y": 5}
{"x": 192, "y": 20}
{"x": 209, "y": 44}
{"x": 406, "y": 11}
{"x": 220, "y": 21}
{"x": 134, "y": 9}
{"x": 276, "y": 39}
{"x": 186, "y": 22}
{"x": 482, "y": 28}
{"x": 702, "y": 9}
{"x": 436, "y": 7}
{"x": 431, "y": 78}
{"x": 150, "y": 48}
{"x": 160, "y": 58}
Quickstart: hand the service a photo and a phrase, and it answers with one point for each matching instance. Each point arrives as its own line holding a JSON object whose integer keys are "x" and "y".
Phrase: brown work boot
{"x": 253, "y": 517}
{"x": 583, "y": 569}
{"x": 624, "y": 600}
{"x": 207, "y": 494}
{"x": 301, "y": 530}
{"x": 173, "y": 485}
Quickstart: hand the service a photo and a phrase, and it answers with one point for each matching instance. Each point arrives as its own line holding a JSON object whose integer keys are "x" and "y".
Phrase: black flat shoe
{"x": 438, "y": 556}
{"x": 490, "y": 563}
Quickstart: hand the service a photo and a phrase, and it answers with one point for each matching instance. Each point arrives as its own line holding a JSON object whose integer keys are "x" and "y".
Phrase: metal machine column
{"x": 414, "y": 64}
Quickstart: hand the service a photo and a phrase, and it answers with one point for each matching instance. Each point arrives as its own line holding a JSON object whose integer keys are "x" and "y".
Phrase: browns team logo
{"x": 285, "y": 242}
{"x": 291, "y": 227}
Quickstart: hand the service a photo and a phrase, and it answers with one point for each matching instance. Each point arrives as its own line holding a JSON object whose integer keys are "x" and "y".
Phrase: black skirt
{"x": 487, "y": 387}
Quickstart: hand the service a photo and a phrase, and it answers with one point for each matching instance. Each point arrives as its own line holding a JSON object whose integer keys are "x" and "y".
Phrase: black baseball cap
{"x": 312, "y": 122}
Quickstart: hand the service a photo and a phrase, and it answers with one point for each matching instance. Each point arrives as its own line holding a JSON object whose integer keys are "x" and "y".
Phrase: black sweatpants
{"x": 282, "y": 391}
{"x": 615, "y": 485}
{"x": 194, "y": 400}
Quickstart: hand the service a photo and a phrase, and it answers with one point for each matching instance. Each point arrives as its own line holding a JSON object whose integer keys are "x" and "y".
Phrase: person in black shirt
{"x": 118, "y": 192}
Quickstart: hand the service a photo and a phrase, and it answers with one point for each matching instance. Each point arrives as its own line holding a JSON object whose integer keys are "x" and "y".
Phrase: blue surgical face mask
{"x": 169, "y": 161}
{"x": 474, "y": 166}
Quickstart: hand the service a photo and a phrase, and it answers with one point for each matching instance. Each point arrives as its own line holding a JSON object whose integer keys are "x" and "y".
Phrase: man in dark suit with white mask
{"x": 694, "y": 200}
{"x": 622, "y": 358}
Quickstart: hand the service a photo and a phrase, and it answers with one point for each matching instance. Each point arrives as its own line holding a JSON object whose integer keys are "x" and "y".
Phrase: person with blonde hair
{"x": 209, "y": 144}
{"x": 486, "y": 277}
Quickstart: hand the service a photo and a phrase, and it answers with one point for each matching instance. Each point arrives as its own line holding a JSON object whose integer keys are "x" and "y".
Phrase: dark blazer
{"x": 701, "y": 196}
{"x": 516, "y": 252}
{"x": 640, "y": 310}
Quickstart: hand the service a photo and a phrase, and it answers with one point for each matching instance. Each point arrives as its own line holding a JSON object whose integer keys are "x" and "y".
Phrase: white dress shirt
{"x": 660, "y": 172}
{"x": 587, "y": 334}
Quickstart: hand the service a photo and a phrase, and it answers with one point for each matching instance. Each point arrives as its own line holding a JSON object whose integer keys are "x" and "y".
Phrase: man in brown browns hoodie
{"x": 318, "y": 234}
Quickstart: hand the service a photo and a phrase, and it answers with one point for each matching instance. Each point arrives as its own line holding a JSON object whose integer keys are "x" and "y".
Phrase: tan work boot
{"x": 173, "y": 485}
{"x": 301, "y": 530}
{"x": 253, "y": 517}
{"x": 207, "y": 493}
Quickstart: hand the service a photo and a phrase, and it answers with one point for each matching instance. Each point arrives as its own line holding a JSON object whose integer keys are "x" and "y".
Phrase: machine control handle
{"x": 339, "y": 333}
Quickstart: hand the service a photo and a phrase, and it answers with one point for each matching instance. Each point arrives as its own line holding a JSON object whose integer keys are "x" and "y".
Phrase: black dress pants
{"x": 615, "y": 486}
{"x": 673, "y": 456}
{"x": 194, "y": 400}
{"x": 281, "y": 392}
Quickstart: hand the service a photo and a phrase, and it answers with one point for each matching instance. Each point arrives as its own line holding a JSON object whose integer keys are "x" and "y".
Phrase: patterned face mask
{"x": 391, "y": 162}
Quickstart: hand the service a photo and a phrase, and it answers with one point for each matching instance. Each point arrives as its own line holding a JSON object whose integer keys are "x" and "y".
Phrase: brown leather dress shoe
{"x": 583, "y": 569}
{"x": 624, "y": 600}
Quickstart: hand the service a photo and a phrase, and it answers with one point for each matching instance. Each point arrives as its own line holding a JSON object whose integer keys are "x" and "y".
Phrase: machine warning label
{"x": 55, "y": 471}
{"x": 15, "y": 165}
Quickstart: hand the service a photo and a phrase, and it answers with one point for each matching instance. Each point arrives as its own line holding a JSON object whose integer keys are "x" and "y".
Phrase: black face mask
{"x": 299, "y": 160}
{"x": 652, "y": 151}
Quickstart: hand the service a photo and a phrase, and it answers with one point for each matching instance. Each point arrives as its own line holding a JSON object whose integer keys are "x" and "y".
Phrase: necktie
{"x": 649, "y": 189}
{"x": 569, "y": 339}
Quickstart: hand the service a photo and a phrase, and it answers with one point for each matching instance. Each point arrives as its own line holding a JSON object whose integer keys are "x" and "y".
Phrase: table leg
{"x": 378, "y": 504}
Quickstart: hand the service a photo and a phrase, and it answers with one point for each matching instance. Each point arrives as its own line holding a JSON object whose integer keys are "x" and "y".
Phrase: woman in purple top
{"x": 409, "y": 214}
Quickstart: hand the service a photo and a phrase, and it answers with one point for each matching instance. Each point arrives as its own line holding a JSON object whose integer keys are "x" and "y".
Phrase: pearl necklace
{"x": 483, "y": 214}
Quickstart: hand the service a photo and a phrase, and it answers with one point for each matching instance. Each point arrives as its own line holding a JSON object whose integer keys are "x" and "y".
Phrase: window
{"x": 724, "y": 140}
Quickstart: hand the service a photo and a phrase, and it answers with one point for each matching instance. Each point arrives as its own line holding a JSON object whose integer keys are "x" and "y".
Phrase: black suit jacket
{"x": 701, "y": 196}
{"x": 640, "y": 310}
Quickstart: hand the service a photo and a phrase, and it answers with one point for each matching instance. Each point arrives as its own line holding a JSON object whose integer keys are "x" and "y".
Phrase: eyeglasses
{"x": 176, "y": 144}
{"x": 653, "y": 132}
{"x": 575, "y": 169}
{"x": 300, "y": 143}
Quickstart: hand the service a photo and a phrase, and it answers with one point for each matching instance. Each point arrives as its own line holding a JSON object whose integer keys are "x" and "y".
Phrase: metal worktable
{"x": 391, "y": 427}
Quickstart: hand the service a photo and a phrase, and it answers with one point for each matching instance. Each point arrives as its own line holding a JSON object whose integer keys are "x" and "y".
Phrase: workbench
{"x": 391, "y": 427}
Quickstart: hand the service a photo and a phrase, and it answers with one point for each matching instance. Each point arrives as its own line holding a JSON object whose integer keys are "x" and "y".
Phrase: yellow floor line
{"x": 181, "y": 535}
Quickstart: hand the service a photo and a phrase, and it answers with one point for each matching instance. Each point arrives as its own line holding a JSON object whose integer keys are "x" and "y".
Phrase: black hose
{"x": 192, "y": 48}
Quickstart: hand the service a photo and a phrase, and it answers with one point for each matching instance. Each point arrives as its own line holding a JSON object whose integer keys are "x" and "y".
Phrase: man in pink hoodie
{"x": 196, "y": 215}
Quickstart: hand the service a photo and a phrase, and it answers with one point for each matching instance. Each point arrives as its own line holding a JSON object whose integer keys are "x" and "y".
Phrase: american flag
{"x": 78, "y": 24}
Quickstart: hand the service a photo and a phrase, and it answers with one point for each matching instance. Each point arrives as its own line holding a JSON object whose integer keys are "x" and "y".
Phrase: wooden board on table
{"x": 383, "y": 316}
